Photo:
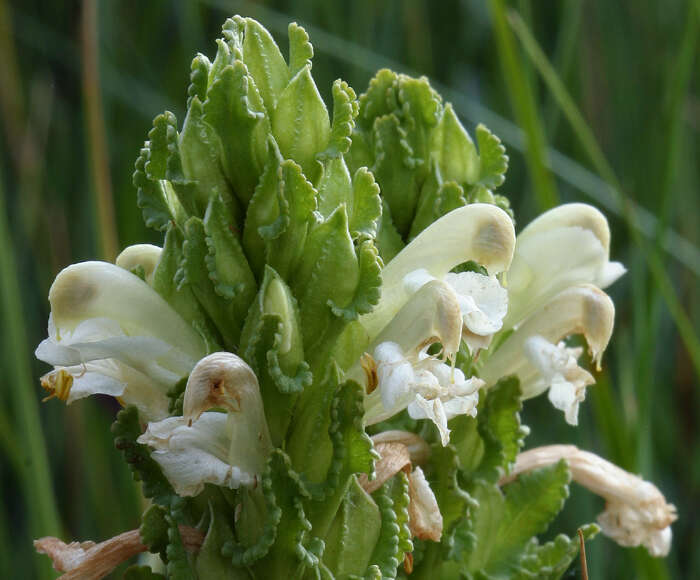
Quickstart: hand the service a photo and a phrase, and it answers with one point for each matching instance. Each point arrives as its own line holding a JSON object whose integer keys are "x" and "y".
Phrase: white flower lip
{"x": 425, "y": 386}
{"x": 636, "y": 512}
{"x": 479, "y": 232}
{"x": 191, "y": 456}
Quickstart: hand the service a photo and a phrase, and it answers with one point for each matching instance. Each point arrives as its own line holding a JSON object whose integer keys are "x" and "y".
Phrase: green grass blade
{"x": 35, "y": 475}
{"x": 523, "y": 101}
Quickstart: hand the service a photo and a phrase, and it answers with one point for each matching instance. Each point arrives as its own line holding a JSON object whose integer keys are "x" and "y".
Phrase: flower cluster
{"x": 323, "y": 280}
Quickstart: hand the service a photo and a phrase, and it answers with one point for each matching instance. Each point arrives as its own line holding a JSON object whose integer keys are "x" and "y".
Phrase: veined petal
{"x": 636, "y": 512}
{"x": 191, "y": 456}
{"x": 146, "y": 256}
{"x": 581, "y": 309}
{"x": 565, "y": 246}
{"x": 479, "y": 232}
{"x": 433, "y": 409}
{"x": 102, "y": 290}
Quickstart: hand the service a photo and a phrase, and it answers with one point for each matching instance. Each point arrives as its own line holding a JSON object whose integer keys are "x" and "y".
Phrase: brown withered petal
{"x": 418, "y": 449}
{"x": 394, "y": 458}
{"x": 425, "y": 519}
{"x": 91, "y": 561}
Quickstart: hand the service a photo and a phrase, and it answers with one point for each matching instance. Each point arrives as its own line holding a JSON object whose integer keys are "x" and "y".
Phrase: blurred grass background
{"x": 596, "y": 101}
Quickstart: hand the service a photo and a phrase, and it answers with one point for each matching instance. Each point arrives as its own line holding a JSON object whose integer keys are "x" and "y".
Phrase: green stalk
{"x": 97, "y": 139}
{"x": 523, "y": 101}
{"x": 35, "y": 474}
{"x": 590, "y": 145}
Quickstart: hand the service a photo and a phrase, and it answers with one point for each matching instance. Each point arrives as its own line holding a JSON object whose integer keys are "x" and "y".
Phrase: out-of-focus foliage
{"x": 630, "y": 68}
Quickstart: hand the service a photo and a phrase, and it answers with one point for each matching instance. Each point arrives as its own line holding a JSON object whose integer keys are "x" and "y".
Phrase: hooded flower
{"x": 110, "y": 333}
{"x": 636, "y": 512}
{"x": 227, "y": 449}
{"x": 406, "y": 376}
{"x": 534, "y": 351}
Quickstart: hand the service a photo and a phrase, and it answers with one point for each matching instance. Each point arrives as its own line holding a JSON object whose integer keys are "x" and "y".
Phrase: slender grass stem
{"x": 522, "y": 98}
{"x": 35, "y": 475}
{"x": 97, "y": 139}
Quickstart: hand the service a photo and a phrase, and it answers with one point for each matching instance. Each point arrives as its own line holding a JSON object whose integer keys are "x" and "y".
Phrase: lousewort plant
{"x": 322, "y": 368}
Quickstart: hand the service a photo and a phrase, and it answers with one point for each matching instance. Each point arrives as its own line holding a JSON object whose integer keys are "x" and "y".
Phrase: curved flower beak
{"x": 636, "y": 512}
{"x": 479, "y": 232}
{"x": 223, "y": 380}
{"x": 563, "y": 247}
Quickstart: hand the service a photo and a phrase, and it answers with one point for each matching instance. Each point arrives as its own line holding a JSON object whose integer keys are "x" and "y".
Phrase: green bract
{"x": 324, "y": 278}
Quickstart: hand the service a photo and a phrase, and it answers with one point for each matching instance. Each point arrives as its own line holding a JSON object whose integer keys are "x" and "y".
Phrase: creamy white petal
{"x": 483, "y": 303}
{"x": 102, "y": 290}
{"x": 479, "y": 232}
{"x": 636, "y": 512}
{"x": 193, "y": 456}
{"x": 581, "y": 309}
{"x": 431, "y": 315}
{"x": 565, "y": 246}
{"x": 145, "y": 255}
{"x": 558, "y": 370}
{"x": 422, "y": 408}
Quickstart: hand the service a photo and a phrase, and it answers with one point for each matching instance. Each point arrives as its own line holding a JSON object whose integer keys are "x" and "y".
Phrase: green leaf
{"x": 265, "y": 518}
{"x": 199, "y": 79}
{"x": 264, "y": 61}
{"x": 334, "y": 186}
{"x": 235, "y": 109}
{"x": 154, "y": 530}
{"x": 178, "y": 566}
{"x": 379, "y": 99}
{"x": 394, "y": 169}
{"x": 493, "y": 161}
{"x": 454, "y": 149}
{"x": 182, "y": 299}
{"x": 194, "y": 273}
{"x": 227, "y": 264}
{"x": 395, "y": 535}
{"x": 442, "y": 472}
{"x": 345, "y": 109}
{"x": 368, "y": 287}
{"x": 389, "y": 240}
{"x": 200, "y": 155}
{"x": 278, "y": 216}
{"x": 210, "y": 562}
{"x": 329, "y": 271}
{"x": 158, "y": 209}
{"x": 300, "y": 50}
{"x": 499, "y": 531}
{"x": 271, "y": 343}
{"x": 366, "y": 206}
{"x": 352, "y": 536}
{"x": 500, "y": 434}
{"x": 126, "y": 430}
{"x": 549, "y": 561}
{"x": 300, "y": 123}
{"x": 436, "y": 199}
{"x": 293, "y": 550}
